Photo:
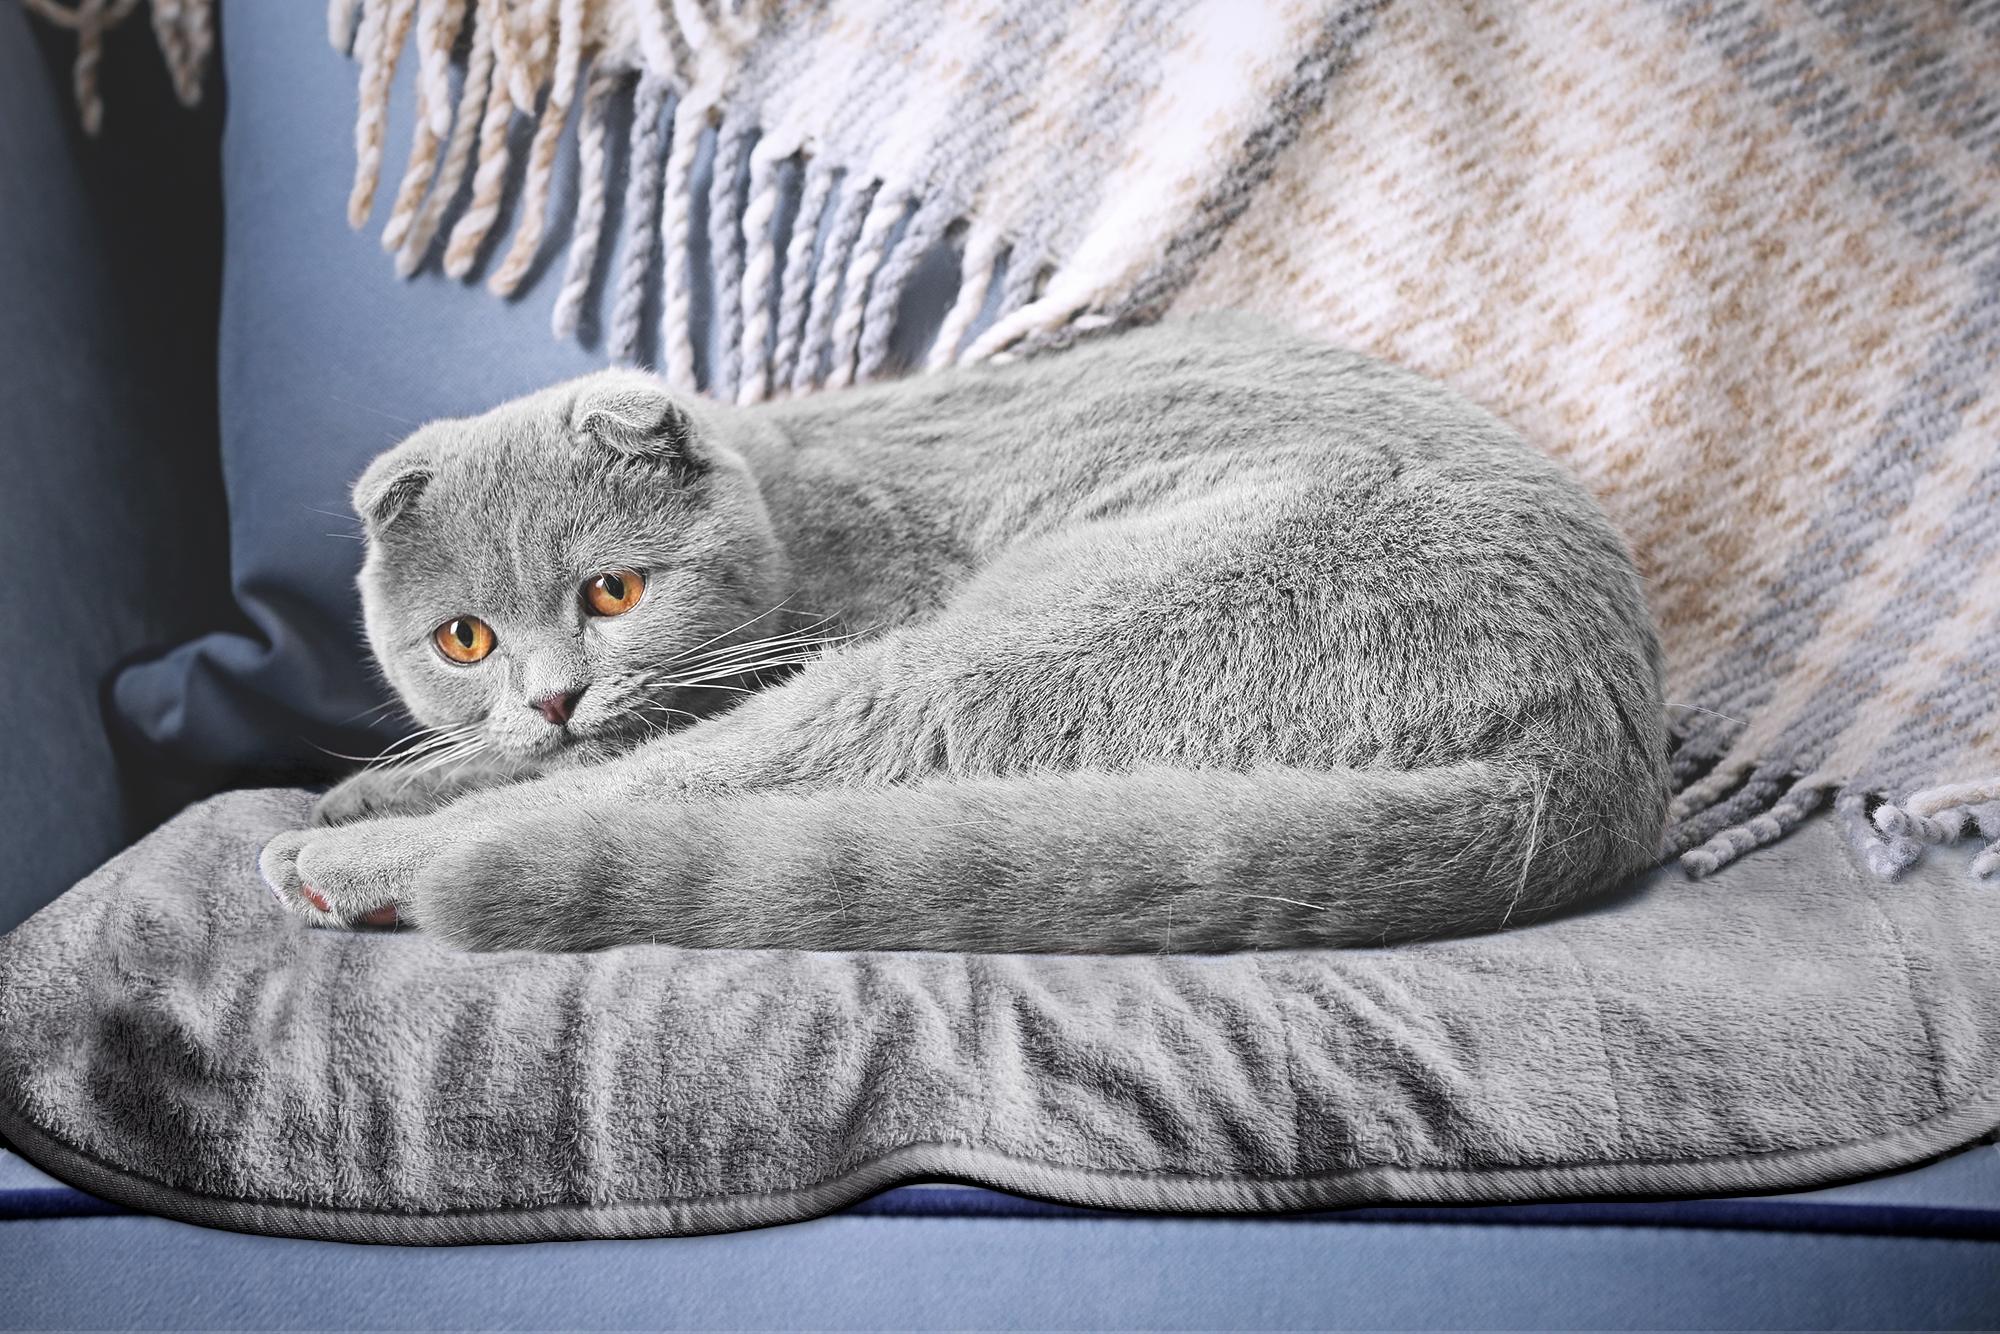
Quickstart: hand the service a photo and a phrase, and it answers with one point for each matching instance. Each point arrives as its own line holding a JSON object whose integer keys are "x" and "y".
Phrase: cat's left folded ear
{"x": 633, "y": 415}
{"x": 392, "y": 485}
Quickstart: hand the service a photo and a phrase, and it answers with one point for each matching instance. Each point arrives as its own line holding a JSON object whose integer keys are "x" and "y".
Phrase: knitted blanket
{"x": 1736, "y": 263}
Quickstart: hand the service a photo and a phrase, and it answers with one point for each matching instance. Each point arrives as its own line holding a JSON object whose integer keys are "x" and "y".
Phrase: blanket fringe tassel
{"x": 184, "y": 29}
{"x": 799, "y": 297}
{"x": 1739, "y": 806}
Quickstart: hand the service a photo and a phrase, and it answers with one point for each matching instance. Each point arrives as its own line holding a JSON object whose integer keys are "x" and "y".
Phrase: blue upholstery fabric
{"x": 1919, "y": 1249}
{"x": 110, "y": 505}
{"x": 876, "y": 1272}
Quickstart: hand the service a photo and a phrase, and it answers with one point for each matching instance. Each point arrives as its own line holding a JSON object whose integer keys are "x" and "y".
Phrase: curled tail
{"x": 1157, "y": 859}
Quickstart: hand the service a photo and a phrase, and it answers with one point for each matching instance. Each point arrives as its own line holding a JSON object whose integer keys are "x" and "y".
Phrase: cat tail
{"x": 1151, "y": 860}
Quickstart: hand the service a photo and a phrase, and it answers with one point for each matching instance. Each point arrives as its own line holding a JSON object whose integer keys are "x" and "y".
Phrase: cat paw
{"x": 352, "y": 875}
{"x": 487, "y": 880}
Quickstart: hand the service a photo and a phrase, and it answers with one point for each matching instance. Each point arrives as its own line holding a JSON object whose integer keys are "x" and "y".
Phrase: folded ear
{"x": 633, "y": 416}
{"x": 390, "y": 487}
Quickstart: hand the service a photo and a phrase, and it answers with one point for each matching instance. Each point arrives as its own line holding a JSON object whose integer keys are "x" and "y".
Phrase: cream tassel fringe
{"x": 91, "y": 19}
{"x": 791, "y": 314}
{"x": 438, "y": 22}
{"x": 593, "y": 176}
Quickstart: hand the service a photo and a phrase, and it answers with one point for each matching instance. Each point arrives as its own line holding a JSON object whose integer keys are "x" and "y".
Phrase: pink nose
{"x": 557, "y": 707}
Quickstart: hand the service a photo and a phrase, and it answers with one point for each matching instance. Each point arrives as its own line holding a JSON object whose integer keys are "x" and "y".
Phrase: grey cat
{"x": 1197, "y": 638}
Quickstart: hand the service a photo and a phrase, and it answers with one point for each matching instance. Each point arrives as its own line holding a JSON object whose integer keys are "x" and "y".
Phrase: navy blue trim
{"x": 1748, "y": 1213}
{"x": 1752, "y": 1213}
{"x": 53, "y": 1202}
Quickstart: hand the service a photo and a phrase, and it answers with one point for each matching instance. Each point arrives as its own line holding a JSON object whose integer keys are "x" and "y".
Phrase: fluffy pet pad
{"x": 172, "y": 1040}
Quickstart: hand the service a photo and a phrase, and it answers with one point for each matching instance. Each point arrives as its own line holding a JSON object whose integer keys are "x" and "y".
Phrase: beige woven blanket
{"x": 1737, "y": 263}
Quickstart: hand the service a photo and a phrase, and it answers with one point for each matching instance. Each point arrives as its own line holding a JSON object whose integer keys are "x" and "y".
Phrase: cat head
{"x": 546, "y": 572}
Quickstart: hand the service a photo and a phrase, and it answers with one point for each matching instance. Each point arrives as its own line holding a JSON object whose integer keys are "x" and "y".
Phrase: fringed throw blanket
{"x": 1738, "y": 264}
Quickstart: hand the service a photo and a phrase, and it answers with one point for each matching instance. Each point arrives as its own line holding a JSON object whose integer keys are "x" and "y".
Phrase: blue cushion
{"x": 327, "y": 359}
{"x": 110, "y": 504}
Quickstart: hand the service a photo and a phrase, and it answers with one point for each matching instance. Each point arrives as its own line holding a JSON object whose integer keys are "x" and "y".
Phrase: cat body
{"x": 1201, "y": 637}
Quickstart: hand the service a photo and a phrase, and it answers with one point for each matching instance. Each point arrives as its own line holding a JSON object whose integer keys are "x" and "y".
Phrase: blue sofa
{"x": 185, "y": 312}
{"x": 1916, "y": 1250}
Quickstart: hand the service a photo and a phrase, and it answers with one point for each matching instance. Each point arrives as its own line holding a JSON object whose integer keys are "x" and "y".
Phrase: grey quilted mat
{"x": 171, "y": 1040}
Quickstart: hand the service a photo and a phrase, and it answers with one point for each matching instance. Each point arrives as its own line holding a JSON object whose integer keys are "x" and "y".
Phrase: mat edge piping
{"x": 1776, "y": 1170}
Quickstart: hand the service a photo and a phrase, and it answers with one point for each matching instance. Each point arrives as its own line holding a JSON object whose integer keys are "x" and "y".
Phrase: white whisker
{"x": 710, "y": 685}
{"x": 457, "y": 756}
{"x": 343, "y": 755}
{"x": 744, "y": 666}
{"x": 419, "y": 744}
{"x": 780, "y": 644}
{"x": 740, "y": 625}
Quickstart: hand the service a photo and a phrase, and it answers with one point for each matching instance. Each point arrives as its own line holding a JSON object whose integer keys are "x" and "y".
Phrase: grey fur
{"x": 1151, "y": 644}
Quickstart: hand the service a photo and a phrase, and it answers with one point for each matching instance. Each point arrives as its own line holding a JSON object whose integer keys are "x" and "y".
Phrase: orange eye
{"x": 464, "y": 639}
{"x": 613, "y": 593}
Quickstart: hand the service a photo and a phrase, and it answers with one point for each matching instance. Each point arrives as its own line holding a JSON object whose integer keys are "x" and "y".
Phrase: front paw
{"x": 481, "y": 879}
{"x": 353, "y": 875}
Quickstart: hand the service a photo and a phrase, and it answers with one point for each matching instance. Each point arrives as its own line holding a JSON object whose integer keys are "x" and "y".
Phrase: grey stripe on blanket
{"x": 170, "y": 1039}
